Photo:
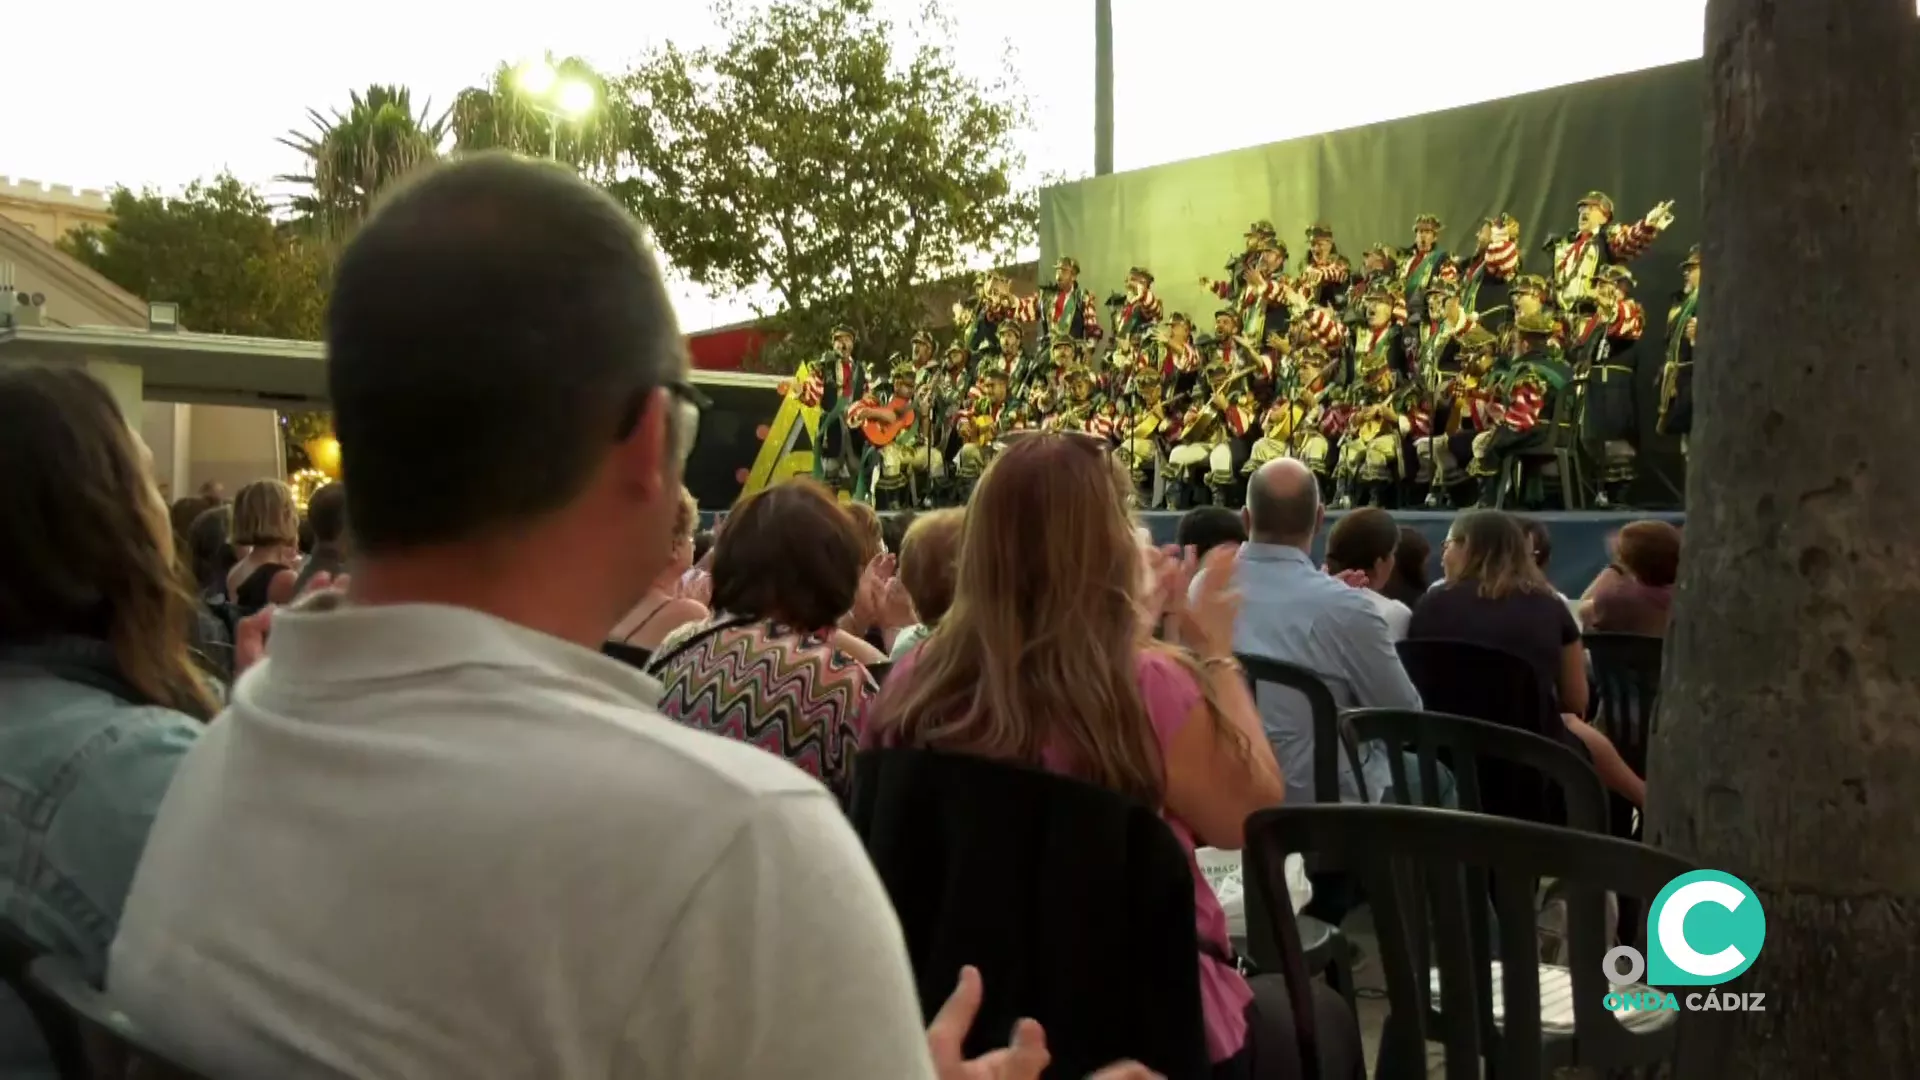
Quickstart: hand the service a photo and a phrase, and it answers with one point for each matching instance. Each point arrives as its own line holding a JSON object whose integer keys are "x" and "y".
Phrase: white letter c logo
{"x": 1673, "y": 920}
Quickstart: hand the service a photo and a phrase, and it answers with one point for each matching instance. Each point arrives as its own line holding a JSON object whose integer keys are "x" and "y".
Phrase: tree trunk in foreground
{"x": 1789, "y": 744}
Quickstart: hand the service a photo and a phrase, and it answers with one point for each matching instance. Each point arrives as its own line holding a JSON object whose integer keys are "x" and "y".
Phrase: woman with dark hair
{"x": 1045, "y": 659}
{"x": 770, "y": 667}
{"x": 1495, "y": 595}
{"x": 1634, "y": 594}
{"x": 1409, "y": 582}
{"x": 210, "y": 553}
{"x": 100, "y": 695}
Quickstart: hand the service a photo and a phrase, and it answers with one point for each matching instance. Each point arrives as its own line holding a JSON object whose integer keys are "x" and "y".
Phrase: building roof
{"x": 74, "y": 277}
{"x": 219, "y": 369}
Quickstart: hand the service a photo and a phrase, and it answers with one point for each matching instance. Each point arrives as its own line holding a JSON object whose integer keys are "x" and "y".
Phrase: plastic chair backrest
{"x": 1328, "y": 737}
{"x": 57, "y": 1030}
{"x": 1027, "y": 874}
{"x": 1626, "y": 685}
{"x": 114, "y": 1045}
{"x": 1428, "y": 875}
{"x": 1468, "y": 746}
{"x": 1465, "y": 678}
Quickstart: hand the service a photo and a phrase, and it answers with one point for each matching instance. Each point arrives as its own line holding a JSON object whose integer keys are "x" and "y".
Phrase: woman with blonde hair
{"x": 266, "y": 523}
{"x": 664, "y": 610}
{"x": 98, "y": 689}
{"x": 1496, "y": 595}
{"x": 1044, "y": 658}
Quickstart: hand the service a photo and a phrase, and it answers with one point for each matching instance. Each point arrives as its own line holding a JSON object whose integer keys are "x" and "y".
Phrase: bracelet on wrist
{"x": 1228, "y": 661}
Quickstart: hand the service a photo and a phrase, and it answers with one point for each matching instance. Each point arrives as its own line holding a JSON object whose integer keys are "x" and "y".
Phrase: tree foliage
{"x": 503, "y": 116}
{"x": 215, "y": 250}
{"x": 810, "y": 160}
{"x": 353, "y": 155}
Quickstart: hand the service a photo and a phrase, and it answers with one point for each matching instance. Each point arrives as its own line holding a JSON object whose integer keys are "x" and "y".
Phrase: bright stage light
{"x": 536, "y": 78}
{"x": 575, "y": 98}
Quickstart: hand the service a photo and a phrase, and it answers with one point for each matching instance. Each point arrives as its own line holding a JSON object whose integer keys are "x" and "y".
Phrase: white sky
{"x": 211, "y": 83}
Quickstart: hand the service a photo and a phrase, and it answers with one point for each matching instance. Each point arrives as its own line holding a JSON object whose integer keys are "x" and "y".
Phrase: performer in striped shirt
{"x": 1323, "y": 280}
{"x": 1597, "y": 241}
{"x": 1423, "y": 265}
{"x": 1523, "y": 419}
{"x": 1484, "y": 278}
{"x": 1676, "y": 375}
{"x": 1604, "y": 363}
{"x": 1138, "y": 308}
{"x": 1261, "y": 298}
{"x": 1180, "y": 360}
{"x": 1460, "y": 413}
{"x": 1063, "y": 309}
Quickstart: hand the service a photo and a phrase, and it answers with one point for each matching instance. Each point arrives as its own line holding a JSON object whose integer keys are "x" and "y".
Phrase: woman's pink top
{"x": 1170, "y": 693}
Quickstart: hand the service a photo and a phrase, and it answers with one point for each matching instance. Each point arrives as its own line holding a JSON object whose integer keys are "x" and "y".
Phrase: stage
{"x": 1579, "y": 537}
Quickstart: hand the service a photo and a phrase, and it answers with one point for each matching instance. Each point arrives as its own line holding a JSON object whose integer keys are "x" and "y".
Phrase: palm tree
{"x": 502, "y": 115}
{"x": 352, "y": 156}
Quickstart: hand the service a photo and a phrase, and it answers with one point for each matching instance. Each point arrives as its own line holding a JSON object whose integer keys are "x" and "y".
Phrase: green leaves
{"x": 811, "y": 158}
{"x": 503, "y": 116}
{"x": 216, "y": 251}
{"x": 354, "y": 155}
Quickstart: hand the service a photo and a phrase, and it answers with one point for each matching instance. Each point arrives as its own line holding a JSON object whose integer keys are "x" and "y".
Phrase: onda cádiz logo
{"x": 1704, "y": 928}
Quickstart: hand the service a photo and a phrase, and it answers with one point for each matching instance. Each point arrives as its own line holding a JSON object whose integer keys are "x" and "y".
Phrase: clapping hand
{"x": 1024, "y": 1057}
{"x": 1215, "y": 608}
{"x": 250, "y": 635}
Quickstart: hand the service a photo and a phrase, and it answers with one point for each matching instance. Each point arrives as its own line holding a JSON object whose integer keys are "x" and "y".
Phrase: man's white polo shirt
{"x": 424, "y": 842}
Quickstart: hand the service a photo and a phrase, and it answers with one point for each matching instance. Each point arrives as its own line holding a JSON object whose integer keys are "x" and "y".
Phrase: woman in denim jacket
{"x": 99, "y": 696}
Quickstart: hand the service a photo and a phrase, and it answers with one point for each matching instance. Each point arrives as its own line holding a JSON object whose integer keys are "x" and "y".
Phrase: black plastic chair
{"x": 1428, "y": 873}
{"x": 1075, "y": 902}
{"x": 631, "y": 655}
{"x": 1626, "y": 689}
{"x": 1465, "y": 678}
{"x": 1327, "y": 735}
{"x": 58, "y": 1031}
{"x": 1468, "y": 746}
{"x": 114, "y": 1047}
{"x": 1328, "y": 951}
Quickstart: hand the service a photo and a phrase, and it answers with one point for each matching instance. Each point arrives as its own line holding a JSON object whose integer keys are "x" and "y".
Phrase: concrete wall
{"x": 232, "y": 446}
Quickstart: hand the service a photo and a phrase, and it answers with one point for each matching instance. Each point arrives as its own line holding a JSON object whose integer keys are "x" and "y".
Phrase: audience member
{"x": 181, "y": 517}
{"x": 702, "y": 543}
{"x": 1410, "y": 581}
{"x": 212, "y": 554}
{"x": 266, "y": 524}
{"x": 1540, "y": 542}
{"x": 1296, "y": 614}
{"x": 1043, "y": 660}
{"x": 327, "y": 514}
{"x": 438, "y": 833}
{"x": 99, "y": 695}
{"x": 769, "y": 667}
{"x": 893, "y": 530}
{"x": 873, "y": 540}
{"x": 1634, "y": 595}
{"x": 1495, "y": 595}
{"x": 215, "y": 490}
{"x": 664, "y": 608}
{"x": 928, "y": 555}
{"x": 1204, "y": 528}
{"x": 1365, "y": 542}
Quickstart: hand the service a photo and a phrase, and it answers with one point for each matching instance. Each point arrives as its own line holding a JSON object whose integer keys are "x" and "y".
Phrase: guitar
{"x": 883, "y": 425}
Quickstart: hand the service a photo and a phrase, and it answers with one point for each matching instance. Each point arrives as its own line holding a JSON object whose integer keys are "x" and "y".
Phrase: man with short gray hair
{"x": 1293, "y": 612}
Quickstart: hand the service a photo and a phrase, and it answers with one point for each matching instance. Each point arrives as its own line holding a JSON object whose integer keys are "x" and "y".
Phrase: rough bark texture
{"x": 1789, "y": 743}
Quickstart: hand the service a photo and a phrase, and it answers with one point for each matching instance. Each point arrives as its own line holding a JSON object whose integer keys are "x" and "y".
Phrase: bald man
{"x": 1293, "y": 612}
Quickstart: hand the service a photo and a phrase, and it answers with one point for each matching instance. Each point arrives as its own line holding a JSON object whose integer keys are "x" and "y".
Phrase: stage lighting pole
{"x": 1102, "y": 87}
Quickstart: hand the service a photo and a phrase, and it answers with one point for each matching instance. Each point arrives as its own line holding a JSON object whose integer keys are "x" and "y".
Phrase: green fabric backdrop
{"x": 1636, "y": 137}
